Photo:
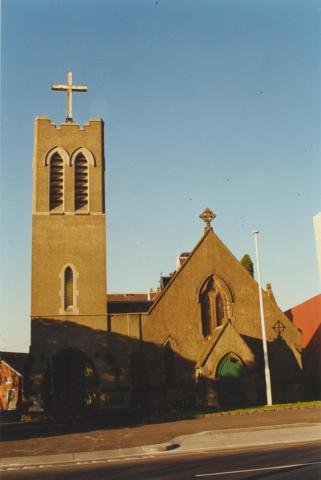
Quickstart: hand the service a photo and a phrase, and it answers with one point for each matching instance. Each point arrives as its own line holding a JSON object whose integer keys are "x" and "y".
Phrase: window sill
{"x": 74, "y": 311}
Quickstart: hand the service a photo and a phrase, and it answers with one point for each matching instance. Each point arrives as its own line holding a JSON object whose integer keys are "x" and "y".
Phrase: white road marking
{"x": 257, "y": 469}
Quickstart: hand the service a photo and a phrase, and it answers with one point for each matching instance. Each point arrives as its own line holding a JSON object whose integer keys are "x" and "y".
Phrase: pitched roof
{"x": 16, "y": 361}
{"x": 174, "y": 276}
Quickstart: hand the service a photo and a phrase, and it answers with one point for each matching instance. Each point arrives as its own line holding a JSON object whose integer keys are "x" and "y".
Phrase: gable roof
{"x": 207, "y": 232}
{"x": 16, "y": 361}
{"x": 218, "y": 335}
{"x": 178, "y": 272}
{"x": 223, "y": 250}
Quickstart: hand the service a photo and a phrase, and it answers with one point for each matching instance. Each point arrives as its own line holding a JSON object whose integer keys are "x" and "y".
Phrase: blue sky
{"x": 207, "y": 103}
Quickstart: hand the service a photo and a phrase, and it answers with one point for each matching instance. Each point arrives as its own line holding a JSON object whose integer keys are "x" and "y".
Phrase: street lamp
{"x": 265, "y": 351}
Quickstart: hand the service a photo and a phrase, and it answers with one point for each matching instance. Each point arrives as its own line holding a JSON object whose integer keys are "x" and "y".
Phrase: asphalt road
{"x": 300, "y": 462}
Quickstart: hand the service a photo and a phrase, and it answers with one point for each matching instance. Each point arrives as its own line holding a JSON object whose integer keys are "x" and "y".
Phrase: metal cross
{"x": 278, "y": 327}
{"x": 207, "y": 216}
{"x": 69, "y": 88}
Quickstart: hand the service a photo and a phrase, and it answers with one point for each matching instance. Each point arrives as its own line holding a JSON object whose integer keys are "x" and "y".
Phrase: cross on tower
{"x": 69, "y": 88}
{"x": 207, "y": 216}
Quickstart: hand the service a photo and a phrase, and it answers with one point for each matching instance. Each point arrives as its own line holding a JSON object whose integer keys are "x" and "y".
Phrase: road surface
{"x": 299, "y": 462}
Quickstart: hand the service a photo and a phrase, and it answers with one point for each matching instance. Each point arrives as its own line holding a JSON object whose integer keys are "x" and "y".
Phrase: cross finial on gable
{"x": 207, "y": 216}
{"x": 69, "y": 88}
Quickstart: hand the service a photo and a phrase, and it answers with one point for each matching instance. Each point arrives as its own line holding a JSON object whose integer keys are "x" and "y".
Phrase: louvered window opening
{"x": 81, "y": 182}
{"x": 56, "y": 182}
{"x": 69, "y": 288}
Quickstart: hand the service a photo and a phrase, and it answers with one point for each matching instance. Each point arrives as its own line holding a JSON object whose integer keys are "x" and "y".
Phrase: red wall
{"x": 306, "y": 317}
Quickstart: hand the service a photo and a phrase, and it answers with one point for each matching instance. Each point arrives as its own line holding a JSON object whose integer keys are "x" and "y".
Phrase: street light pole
{"x": 265, "y": 351}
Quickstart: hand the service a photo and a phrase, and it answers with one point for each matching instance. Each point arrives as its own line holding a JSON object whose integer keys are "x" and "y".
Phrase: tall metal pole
{"x": 265, "y": 351}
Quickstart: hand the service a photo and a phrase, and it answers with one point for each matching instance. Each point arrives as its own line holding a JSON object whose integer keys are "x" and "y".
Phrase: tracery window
{"x": 81, "y": 182}
{"x": 56, "y": 188}
{"x": 215, "y": 303}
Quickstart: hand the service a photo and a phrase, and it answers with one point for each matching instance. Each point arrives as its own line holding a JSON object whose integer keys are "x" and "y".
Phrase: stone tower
{"x": 68, "y": 223}
{"x": 67, "y": 365}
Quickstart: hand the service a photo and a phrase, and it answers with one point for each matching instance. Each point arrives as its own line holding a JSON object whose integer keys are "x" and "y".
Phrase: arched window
{"x": 169, "y": 366}
{"x": 81, "y": 182}
{"x": 56, "y": 188}
{"x": 215, "y": 300}
{"x": 68, "y": 292}
{"x": 219, "y": 308}
{"x": 69, "y": 288}
{"x": 206, "y": 307}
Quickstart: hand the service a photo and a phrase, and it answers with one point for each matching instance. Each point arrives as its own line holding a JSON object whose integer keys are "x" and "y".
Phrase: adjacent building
{"x": 11, "y": 381}
{"x": 307, "y": 318}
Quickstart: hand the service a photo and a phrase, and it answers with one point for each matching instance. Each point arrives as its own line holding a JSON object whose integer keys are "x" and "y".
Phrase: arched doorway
{"x": 230, "y": 378}
{"x": 70, "y": 383}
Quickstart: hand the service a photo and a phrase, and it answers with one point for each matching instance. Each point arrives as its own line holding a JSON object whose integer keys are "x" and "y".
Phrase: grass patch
{"x": 277, "y": 406}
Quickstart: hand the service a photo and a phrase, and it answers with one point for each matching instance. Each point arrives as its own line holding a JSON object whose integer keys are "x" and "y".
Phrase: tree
{"x": 247, "y": 264}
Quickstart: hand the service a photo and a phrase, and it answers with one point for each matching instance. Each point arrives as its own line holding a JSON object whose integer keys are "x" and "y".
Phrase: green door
{"x": 231, "y": 374}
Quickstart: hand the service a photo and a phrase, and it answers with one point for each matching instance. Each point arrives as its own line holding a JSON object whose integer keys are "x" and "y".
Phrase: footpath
{"x": 209, "y": 432}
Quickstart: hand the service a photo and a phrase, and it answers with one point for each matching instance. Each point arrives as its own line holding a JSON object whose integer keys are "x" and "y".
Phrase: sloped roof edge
{"x": 163, "y": 292}
{"x": 11, "y": 368}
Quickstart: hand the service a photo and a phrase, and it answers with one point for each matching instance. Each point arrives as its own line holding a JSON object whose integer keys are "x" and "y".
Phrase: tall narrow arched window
{"x": 219, "y": 307}
{"x": 56, "y": 188}
{"x": 81, "y": 182}
{"x": 206, "y": 307}
{"x": 69, "y": 288}
{"x": 69, "y": 291}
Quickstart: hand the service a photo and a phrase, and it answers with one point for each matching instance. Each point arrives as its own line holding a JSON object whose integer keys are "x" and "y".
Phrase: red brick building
{"x": 10, "y": 387}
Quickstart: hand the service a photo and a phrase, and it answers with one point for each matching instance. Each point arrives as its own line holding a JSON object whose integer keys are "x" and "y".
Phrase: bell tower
{"x": 67, "y": 364}
{"x": 68, "y": 220}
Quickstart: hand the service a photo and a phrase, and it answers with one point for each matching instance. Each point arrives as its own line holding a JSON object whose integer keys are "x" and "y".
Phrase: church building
{"x": 195, "y": 341}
